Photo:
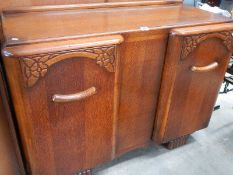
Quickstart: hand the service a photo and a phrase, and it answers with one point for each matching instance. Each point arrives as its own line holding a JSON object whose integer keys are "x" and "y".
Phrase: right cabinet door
{"x": 195, "y": 65}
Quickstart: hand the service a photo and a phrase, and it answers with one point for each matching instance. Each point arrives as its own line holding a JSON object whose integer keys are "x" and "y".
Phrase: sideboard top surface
{"x": 34, "y": 27}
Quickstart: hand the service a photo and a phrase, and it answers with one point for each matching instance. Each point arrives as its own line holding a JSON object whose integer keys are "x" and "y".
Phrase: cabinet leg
{"x": 176, "y": 142}
{"x": 84, "y": 172}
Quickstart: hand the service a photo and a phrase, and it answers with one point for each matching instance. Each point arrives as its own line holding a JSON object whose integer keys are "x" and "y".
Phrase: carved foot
{"x": 176, "y": 142}
{"x": 84, "y": 172}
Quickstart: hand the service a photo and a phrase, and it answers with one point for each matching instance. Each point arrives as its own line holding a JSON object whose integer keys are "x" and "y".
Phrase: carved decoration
{"x": 192, "y": 42}
{"x": 36, "y": 66}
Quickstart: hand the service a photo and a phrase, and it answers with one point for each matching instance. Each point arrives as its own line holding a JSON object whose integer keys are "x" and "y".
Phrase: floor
{"x": 208, "y": 152}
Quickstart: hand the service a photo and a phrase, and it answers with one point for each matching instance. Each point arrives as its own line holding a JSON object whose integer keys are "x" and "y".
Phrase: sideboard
{"x": 90, "y": 82}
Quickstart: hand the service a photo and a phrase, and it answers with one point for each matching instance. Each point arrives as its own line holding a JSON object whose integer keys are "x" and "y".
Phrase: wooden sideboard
{"x": 91, "y": 82}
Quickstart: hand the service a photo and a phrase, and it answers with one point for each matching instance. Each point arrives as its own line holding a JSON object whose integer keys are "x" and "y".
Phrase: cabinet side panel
{"x": 10, "y": 157}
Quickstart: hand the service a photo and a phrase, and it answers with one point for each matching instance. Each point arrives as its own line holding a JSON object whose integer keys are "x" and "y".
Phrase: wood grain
{"x": 187, "y": 98}
{"x": 10, "y": 155}
{"x": 124, "y": 53}
{"x": 61, "y": 45}
{"x": 94, "y": 5}
{"x": 36, "y": 66}
{"x": 57, "y": 130}
{"x": 8, "y": 160}
{"x": 142, "y": 57}
{"x": 64, "y": 25}
{"x": 29, "y": 3}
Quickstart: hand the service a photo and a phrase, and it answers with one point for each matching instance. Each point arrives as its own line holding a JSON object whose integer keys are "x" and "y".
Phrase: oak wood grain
{"x": 8, "y": 160}
{"x": 187, "y": 98}
{"x": 10, "y": 155}
{"x": 94, "y": 5}
{"x": 49, "y": 127}
{"x": 185, "y": 31}
{"x": 62, "y": 45}
{"x": 62, "y": 25}
{"x": 142, "y": 57}
{"x": 124, "y": 53}
{"x": 71, "y": 136}
{"x": 28, "y": 3}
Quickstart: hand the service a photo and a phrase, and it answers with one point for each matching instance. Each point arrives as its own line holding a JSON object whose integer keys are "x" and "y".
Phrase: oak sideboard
{"x": 90, "y": 82}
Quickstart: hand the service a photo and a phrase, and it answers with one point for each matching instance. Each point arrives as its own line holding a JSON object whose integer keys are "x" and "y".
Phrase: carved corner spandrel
{"x": 192, "y": 42}
{"x": 35, "y": 67}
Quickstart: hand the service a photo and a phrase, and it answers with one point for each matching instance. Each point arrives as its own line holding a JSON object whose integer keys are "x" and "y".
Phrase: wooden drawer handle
{"x": 205, "y": 68}
{"x": 73, "y": 97}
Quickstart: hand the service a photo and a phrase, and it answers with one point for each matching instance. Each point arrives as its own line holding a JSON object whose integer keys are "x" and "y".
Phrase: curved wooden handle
{"x": 73, "y": 97}
{"x": 205, "y": 68}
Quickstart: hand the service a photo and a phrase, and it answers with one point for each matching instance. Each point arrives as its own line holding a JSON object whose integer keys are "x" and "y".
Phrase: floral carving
{"x": 192, "y": 42}
{"x": 228, "y": 39}
{"x": 33, "y": 68}
{"x": 36, "y": 66}
{"x": 189, "y": 44}
{"x": 105, "y": 57}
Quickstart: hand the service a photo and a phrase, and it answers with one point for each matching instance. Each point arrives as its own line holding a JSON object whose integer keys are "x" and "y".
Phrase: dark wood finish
{"x": 8, "y": 159}
{"x": 180, "y": 141}
{"x": 187, "y": 97}
{"x": 10, "y": 155}
{"x": 85, "y": 80}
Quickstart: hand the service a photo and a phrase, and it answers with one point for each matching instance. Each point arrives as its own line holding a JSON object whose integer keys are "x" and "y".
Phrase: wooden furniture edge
{"x": 166, "y": 89}
{"x": 6, "y": 102}
{"x": 185, "y": 31}
{"x": 36, "y": 59}
{"x": 89, "y": 6}
{"x": 40, "y": 48}
{"x": 78, "y": 37}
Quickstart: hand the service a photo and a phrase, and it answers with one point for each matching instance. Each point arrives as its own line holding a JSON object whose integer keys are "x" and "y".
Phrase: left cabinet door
{"x": 65, "y": 105}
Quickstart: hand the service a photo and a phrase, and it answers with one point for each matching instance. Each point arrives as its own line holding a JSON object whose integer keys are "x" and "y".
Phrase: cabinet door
{"x": 195, "y": 65}
{"x": 65, "y": 105}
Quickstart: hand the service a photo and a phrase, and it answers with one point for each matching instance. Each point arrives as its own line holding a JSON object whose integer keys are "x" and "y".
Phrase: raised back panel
{"x": 21, "y": 3}
{"x": 27, "y": 3}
